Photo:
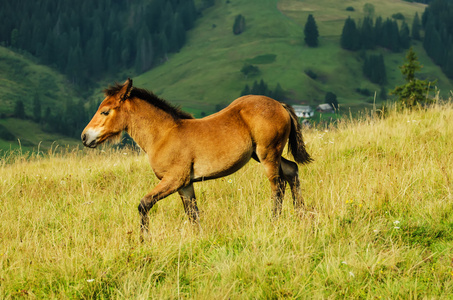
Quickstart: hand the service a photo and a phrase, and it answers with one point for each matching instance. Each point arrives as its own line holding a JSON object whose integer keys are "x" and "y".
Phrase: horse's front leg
{"x": 165, "y": 188}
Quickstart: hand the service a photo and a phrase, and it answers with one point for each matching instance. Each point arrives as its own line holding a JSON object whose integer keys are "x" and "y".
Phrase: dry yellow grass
{"x": 380, "y": 223}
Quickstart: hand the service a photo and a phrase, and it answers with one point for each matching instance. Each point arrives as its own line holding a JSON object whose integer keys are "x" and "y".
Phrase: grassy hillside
{"x": 205, "y": 74}
{"x": 28, "y": 137}
{"x": 380, "y": 223}
{"x": 22, "y": 79}
{"x": 207, "y": 70}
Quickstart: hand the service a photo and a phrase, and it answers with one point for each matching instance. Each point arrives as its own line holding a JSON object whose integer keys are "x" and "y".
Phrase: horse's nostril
{"x": 84, "y": 137}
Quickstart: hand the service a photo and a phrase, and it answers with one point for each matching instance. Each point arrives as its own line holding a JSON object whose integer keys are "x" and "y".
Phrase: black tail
{"x": 296, "y": 142}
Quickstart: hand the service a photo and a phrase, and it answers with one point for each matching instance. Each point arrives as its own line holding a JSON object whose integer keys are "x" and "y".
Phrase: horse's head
{"x": 110, "y": 119}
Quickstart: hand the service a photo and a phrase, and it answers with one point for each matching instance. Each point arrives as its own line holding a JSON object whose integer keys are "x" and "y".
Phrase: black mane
{"x": 152, "y": 99}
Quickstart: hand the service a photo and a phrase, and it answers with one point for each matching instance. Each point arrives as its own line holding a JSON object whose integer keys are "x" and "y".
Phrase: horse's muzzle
{"x": 87, "y": 141}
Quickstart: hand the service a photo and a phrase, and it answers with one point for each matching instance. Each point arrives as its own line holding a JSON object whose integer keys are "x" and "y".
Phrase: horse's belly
{"x": 219, "y": 166}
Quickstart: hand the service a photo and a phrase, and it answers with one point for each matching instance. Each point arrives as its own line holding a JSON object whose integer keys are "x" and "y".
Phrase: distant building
{"x": 303, "y": 111}
{"x": 325, "y": 108}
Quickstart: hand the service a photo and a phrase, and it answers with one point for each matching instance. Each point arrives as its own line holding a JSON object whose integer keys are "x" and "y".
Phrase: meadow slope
{"x": 379, "y": 223}
{"x": 207, "y": 70}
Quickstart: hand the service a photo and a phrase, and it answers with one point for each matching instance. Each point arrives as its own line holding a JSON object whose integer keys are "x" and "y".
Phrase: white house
{"x": 325, "y": 108}
{"x": 303, "y": 111}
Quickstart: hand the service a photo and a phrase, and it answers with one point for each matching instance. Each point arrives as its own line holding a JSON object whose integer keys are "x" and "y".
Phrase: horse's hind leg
{"x": 290, "y": 172}
{"x": 278, "y": 184}
{"x": 189, "y": 201}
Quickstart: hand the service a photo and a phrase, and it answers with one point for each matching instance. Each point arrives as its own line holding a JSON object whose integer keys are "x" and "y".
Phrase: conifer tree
{"x": 415, "y": 91}
{"x": 367, "y": 37}
{"x": 19, "y": 110}
{"x": 239, "y": 24}
{"x": 311, "y": 32}
{"x": 278, "y": 93}
{"x": 350, "y": 35}
{"x": 404, "y": 36}
{"x": 246, "y": 90}
{"x": 374, "y": 69}
{"x": 416, "y": 27}
{"x": 331, "y": 99}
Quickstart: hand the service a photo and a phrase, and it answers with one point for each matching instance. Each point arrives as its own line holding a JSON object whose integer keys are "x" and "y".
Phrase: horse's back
{"x": 262, "y": 114}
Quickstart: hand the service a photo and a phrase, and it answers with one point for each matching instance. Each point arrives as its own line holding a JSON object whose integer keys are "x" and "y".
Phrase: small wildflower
{"x": 396, "y": 227}
{"x": 90, "y": 280}
{"x": 230, "y": 181}
{"x": 351, "y": 274}
{"x": 344, "y": 263}
{"x": 125, "y": 153}
{"x": 375, "y": 231}
{"x": 396, "y": 222}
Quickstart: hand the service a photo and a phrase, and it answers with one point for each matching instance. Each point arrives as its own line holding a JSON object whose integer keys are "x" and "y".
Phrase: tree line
{"x": 262, "y": 88}
{"x": 370, "y": 34}
{"x": 437, "y": 21}
{"x": 86, "y": 39}
{"x": 68, "y": 121}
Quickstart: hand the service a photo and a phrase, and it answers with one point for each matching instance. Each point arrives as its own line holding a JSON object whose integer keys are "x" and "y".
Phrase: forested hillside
{"x": 202, "y": 54}
{"x": 87, "y": 40}
{"x": 438, "y": 42}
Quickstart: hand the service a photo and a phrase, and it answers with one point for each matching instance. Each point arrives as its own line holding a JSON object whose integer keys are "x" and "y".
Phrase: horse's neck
{"x": 148, "y": 124}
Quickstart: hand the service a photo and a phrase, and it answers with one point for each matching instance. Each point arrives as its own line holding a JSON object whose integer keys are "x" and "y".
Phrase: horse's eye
{"x": 105, "y": 113}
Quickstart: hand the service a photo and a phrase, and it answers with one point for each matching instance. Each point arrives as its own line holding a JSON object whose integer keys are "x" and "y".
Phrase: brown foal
{"x": 183, "y": 150}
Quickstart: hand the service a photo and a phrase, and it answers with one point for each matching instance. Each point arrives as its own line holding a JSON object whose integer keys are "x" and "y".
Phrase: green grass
{"x": 207, "y": 70}
{"x": 29, "y": 137}
{"x": 379, "y": 224}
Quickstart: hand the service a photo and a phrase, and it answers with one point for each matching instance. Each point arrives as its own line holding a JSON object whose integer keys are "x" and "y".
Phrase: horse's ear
{"x": 126, "y": 90}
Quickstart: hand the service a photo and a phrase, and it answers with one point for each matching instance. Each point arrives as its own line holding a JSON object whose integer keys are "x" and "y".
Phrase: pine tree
{"x": 405, "y": 38}
{"x": 367, "y": 38}
{"x": 255, "y": 90}
{"x": 416, "y": 27}
{"x": 378, "y": 31}
{"x": 414, "y": 92}
{"x": 246, "y": 90}
{"x": 239, "y": 25}
{"x": 331, "y": 99}
{"x": 19, "y": 110}
{"x": 374, "y": 69}
{"x": 311, "y": 32}
{"x": 263, "y": 89}
{"x": 350, "y": 35}
{"x": 448, "y": 65}
{"x": 278, "y": 93}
